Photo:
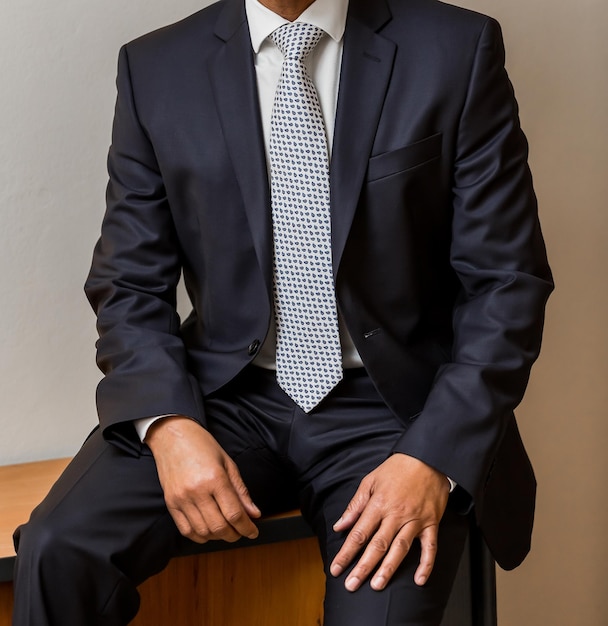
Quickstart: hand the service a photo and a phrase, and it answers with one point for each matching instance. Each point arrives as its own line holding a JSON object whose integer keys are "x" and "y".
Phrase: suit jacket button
{"x": 254, "y": 346}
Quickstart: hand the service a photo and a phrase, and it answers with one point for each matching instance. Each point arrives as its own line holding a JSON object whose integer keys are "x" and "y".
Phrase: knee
{"x": 41, "y": 544}
{"x": 63, "y": 576}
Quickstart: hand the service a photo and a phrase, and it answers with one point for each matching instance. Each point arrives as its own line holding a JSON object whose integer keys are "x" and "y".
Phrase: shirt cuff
{"x": 143, "y": 424}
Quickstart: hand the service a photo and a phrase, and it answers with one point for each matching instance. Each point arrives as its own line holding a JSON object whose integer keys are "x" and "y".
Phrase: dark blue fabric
{"x": 104, "y": 528}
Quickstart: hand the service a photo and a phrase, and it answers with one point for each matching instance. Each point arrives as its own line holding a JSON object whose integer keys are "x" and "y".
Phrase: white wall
{"x": 57, "y": 69}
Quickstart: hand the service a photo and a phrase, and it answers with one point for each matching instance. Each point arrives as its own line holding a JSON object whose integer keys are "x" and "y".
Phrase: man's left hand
{"x": 401, "y": 500}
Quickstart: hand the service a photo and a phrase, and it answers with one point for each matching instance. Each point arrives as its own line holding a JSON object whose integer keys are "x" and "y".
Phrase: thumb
{"x": 241, "y": 490}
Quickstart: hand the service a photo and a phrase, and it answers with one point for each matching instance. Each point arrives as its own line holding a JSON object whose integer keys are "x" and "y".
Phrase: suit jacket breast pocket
{"x": 406, "y": 158}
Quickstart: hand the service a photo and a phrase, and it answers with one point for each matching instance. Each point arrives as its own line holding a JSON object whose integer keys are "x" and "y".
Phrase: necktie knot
{"x": 296, "y": 40}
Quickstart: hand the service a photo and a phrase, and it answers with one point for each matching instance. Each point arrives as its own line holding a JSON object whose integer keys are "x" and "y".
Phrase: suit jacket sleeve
{"x": 132, "y": 286}
{"x": 498, "y": 254}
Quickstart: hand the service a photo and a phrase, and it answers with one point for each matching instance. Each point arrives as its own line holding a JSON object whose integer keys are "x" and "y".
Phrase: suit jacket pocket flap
{"x": 404, "y": 158}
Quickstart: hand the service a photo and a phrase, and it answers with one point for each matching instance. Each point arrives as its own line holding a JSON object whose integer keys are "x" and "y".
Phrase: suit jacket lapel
{"x": 233, "y": 80}
{"x": 366, "y": 68}
{"x": 367, "y": 63}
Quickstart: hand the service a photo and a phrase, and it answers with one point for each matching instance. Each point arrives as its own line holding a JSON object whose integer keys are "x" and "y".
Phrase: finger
{"x": 186, "y": 522}
{"x": 428, "y": 544}
{"x": 220, "y": 527}
{"x": 241, "y": 490}
{"x": 355, "y": 507}
{"x": 376, "y": 550}
{"x": 398, "y": 550}
{"x": 356, "y": 540}
{"x": 232, "y": 512}
{"x": 201, "y": 520}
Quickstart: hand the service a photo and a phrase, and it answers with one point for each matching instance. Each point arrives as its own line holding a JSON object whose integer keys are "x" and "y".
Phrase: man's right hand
{"x": 203, "y": 488}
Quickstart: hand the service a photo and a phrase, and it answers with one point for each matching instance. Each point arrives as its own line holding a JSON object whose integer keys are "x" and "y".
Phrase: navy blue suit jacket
{"x": 439, "y": 263}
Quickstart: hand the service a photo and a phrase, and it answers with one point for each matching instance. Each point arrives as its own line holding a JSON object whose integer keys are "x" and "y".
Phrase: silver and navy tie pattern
{"x": 309, "y": 360}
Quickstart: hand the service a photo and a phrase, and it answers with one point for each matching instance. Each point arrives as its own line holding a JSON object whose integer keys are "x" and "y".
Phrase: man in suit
{"x": 438, "y": 277}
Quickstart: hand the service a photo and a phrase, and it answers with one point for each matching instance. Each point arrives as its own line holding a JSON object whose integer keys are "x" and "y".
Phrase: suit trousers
{"x": 104, "y": 527}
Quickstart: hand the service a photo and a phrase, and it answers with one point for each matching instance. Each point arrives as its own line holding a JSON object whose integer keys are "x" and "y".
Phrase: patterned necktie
{"x": 309, "y": 360}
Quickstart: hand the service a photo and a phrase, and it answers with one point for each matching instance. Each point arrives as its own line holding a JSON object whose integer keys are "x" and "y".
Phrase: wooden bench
{"x": 274, "y": 581}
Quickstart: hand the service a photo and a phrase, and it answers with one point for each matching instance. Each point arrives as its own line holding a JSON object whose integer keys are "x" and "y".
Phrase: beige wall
{"x": 557, "y": 56}
{"x": 57, "y": 71}
{"x": 57, "y": 66}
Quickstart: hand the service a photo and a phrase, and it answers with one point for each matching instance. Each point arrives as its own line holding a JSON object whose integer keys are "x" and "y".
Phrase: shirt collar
{"x": 329, "y": 15}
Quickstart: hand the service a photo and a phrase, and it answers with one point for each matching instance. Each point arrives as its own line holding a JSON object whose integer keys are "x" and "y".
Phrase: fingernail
{"x": 352, "y": 583}
{"x": 337, "y": 523}
{"x": 335, "y": 569}
{"x": 378, "y": 583}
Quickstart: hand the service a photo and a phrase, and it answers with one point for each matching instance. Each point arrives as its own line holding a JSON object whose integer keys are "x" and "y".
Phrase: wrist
{"x": 168, "y": 426}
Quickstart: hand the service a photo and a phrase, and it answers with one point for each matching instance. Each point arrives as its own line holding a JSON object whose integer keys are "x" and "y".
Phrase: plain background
{"x": 57, "y": 69}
